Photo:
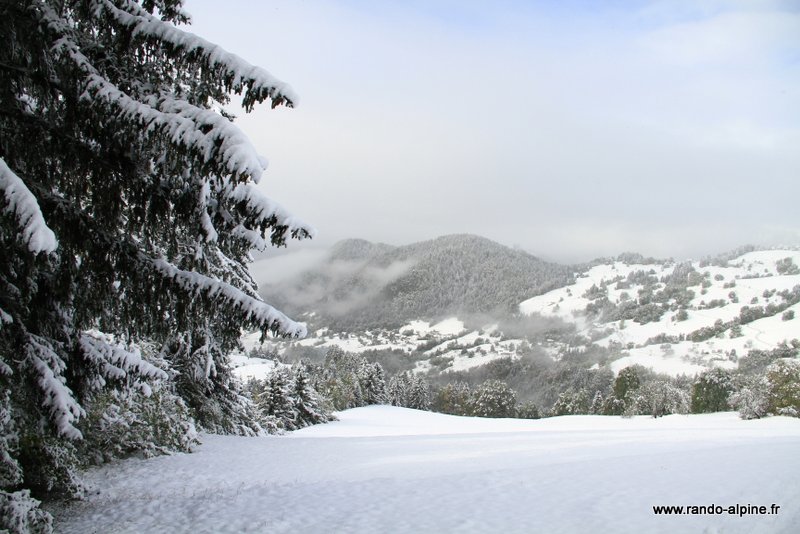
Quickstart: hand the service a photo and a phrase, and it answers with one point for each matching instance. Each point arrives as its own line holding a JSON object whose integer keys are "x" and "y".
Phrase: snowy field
{"x": 384, "y": 469}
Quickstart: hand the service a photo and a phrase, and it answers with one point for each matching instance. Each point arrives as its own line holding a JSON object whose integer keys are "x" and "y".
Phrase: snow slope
{"x": 751, "y": 280}
{"x": 385, "y": 469}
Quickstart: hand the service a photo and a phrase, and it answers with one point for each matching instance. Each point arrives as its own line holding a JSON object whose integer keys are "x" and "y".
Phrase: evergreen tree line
{"x": 287, "y": 400}
{"x": 767, "y": 382}
{"x": 533, "y": 386}
{"x": 304, "y": 394}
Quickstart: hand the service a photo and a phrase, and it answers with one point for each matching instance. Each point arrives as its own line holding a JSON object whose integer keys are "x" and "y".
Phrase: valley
{"x": 675, "y": 318}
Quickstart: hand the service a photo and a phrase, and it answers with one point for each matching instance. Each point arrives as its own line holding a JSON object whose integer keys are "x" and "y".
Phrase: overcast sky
{"x": 571, "y": 129}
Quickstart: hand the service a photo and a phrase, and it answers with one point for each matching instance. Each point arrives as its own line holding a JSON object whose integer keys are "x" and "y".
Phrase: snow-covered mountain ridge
{"x": 673, "y": 317}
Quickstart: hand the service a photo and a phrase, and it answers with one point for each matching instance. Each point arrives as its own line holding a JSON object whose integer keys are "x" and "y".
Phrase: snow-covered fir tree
{"x": 309, "y": 407}
{"x": 409, "y": 391}
{"x": 338, "y": 380}
{"x": 373, "y": 383}
{"x": 494, "y": 398}
{"x": 275, "y": 399}
{"x": 348, "y": 380}
{"x": 128, "y": 210}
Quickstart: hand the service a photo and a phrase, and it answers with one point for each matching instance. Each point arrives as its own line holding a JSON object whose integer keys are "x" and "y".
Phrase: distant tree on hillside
{"x": 786, "y": 266}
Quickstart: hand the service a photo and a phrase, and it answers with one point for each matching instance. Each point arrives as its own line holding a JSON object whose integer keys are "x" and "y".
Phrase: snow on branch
{"x": 58, "y": 398}
{"x": 254, "y": 309}
{"x": 5, "y": 318}
{"x": 22, "y": 205}
{"x": 116, "y": 361}
{"x": 259, "y": 83}
{"x": 264, "y": 209}
{"x": 209, "y": 231}
{"x": 202, "y": 130}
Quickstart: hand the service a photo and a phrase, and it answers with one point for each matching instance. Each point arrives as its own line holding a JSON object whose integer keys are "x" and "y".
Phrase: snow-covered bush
{"x": 119, "y": 423}
{"x": 659, "y": 397}
{"x": 613, "y": 406}
{"x": 571, "y": 403}
{"x": 528, "y": 410}
{"x": 20, "y": 514}
{"x": 783, "y": 380}
{"x": 751, "y": 400}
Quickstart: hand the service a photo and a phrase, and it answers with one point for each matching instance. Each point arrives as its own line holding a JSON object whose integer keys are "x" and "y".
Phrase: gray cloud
{"x": 572, "y": 131}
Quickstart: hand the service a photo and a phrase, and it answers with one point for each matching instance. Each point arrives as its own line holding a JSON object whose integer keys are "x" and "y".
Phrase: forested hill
{"x": 367, "y": 285}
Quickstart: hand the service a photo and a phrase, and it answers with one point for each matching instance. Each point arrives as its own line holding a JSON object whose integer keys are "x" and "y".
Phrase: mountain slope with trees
{"x": 365, "y": 285}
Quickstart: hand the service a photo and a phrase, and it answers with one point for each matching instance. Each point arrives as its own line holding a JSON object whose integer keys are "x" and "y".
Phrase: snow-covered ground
{"x": 386, "y": 469}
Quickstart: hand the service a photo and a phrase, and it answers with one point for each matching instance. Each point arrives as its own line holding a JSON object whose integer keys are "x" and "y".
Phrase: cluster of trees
{"x": 290, "y": 397}
{"x": 348, "y": 380}
{"x": 287, "y": 400}
{"x": 765, "y": 382}
{"x": 492, "y": 398}
{"x": 786, "y": 266}
{"x": 128, "y": 212}
{"x": 748, "y": 314}
{"x": 650, "y": 302}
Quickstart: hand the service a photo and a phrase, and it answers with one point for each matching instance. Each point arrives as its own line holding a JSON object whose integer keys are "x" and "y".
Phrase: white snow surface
{"x": 447, "y": 327}
{"x": 386, "y": 469}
